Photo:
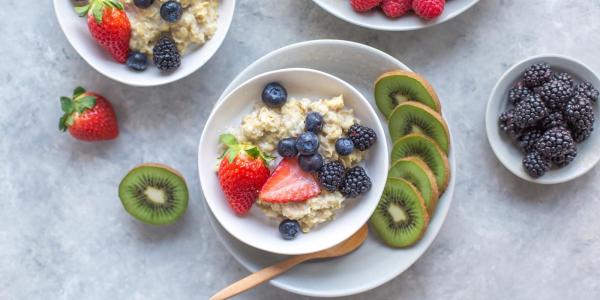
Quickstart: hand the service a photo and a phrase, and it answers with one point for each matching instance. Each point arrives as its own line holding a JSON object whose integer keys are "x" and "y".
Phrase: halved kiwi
{"x": 412, "y": 117}
{"x": 415, "y": 171}
{"x": 396, "y": 87}
{"x": 401, "y": 217}
{"x": 427, "y": 150}
{"x": 154, "y": 194}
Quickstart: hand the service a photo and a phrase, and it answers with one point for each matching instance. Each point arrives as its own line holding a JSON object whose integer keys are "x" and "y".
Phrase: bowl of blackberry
{"x": 540, "y": 119}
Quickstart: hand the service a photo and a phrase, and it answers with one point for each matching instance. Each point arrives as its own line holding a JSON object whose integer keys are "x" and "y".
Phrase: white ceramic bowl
{"x": 257, "y": 230}
{"x": 502, "y": 145}
{"x": 76, "y": 31}
{"x": 377, "y": 20}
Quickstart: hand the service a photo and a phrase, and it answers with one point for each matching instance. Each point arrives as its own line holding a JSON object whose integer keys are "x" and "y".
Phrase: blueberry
{"x": 137, "y": 60}
{"x": 287, "y": 147}
{"x": 313, "y": 122}
{"x": 344, "y": 146}
{"x": 274, "y": 95}
{"x": 307, "y": 143}
{"x": 310, "y": 163}
{"x": 171, "y": 11}
{"x": 289, "y": 229}
{"x": 143, "y": 3}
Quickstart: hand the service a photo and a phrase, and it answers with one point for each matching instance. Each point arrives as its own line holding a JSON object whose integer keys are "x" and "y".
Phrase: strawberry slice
{"x": 289, "y": 183}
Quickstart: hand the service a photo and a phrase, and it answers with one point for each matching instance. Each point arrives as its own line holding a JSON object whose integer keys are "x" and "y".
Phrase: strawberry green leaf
{"x": 253, "y": 151}
{"x": 231, "y": 155}
{"x": 78, "y": 91}
{"x": 66, "y": 104}
{"x": 228, "y": 139}
{"x": 84, "y": 103}
{"x": 98, "y": 11}
{"x": 61, "y": 123}
{"x": 82, "y": 10}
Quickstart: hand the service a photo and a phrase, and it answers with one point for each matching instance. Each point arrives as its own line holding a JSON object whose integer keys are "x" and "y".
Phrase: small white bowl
{"x": 504, "y": 147}
{"x": 257, "y": 230}
{"x": 377, "y": 20}
{"x": 76, "y": 31}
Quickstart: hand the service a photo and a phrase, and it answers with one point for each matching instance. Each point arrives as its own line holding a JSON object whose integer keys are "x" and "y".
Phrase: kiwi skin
{"x": 380, "y": 221}
{"x": 421, "y": 91}
{"x": 397, "y": 130}
{"x": 134, "y": 211}
{"x": 420, "y": 172}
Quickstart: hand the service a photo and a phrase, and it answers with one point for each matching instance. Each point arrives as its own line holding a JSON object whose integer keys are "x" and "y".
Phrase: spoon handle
{"x": 258, "y": 277}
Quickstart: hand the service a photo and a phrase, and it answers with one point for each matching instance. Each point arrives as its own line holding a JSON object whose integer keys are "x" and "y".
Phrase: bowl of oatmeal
{"x": 197, "y": 34}
{"x": 327, "y": 217}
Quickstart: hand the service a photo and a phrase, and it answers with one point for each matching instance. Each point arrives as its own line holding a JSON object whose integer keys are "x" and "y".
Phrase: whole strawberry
{"x": 428, "y": 9}
{"x": 242, "y": 173}
{"x": 364, "y": 5}
{"x": 396, "y": 8}
{"x": 88, "y": 117}
{"x": 109, "y": 26}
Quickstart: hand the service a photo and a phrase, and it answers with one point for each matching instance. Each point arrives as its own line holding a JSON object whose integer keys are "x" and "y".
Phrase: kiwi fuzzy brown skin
{"x": 400, "y": 124}
{"x": 421, "y": 91}
{"x": 426, "y": 177}
{"x": 431, "y": 156}
{"x": 382, "y": 220}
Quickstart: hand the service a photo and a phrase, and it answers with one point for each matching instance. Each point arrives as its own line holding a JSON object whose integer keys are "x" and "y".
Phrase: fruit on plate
{"x": 242, "y": 173}
{"x": 171, "y": 11}
{"x": 428, "y": 9}
{"x": 425, "y": 9}
{"x": 418, "y": 145}
{"x": 307, "y": 143}
{"x": 109, "y": 26}
{"x": 401, "y": 217}
{"x": 413, "y": 117}
{"x": 356, "y": 182}
{"x": 274, "y": 95}
{"x": 364, "y": 5}
{"x": 154, "y": 194}
{"x": 289, "y": 229}
{"x": 415, "y": 171}
{"x": 396, "y": 8}
{"x": 331, "y": 175}
{"x": 362, "y": 137}
{"x": 165, "y": 54}
{"x": 137, "y": 61}
{"x": 88, "y": 116}
{"x": 396, "y": 87}
{"x": 289, "y": 183}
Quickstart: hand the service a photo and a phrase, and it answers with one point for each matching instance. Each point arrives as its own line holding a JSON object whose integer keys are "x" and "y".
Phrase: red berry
{"x": 289, "y": 183}
{"x": 428, "y": 9}
{"x": 364, "y": 5}
{"x": 88, "y": 117}
{"x": 396, "y": 8}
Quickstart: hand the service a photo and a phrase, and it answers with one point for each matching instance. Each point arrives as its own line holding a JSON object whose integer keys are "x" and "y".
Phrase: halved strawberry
{"x": 289, "y": 183}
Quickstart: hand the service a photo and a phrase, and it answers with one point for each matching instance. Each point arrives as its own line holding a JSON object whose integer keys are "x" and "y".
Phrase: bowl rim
{"x": 432, "y": 23}
{"x": 173, "y": 77}
{"x": 489, "y": 117}
{"x": 356, "y": 225}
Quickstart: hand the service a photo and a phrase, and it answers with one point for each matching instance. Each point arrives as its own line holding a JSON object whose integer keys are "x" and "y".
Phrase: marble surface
{"x": 64, "y": 234}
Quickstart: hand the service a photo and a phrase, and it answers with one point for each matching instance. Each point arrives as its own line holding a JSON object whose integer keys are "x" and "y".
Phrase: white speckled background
{"x": 64, "y": 234}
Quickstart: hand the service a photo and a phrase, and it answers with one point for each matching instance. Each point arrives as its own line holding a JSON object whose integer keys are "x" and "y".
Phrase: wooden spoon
{"x": 267, "y": 273}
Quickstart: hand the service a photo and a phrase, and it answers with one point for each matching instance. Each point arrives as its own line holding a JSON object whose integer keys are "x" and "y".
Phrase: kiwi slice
{"x": 412, "y": 117}
{"x": 154, "y": 194}
{"x": 401, "y": 217}
{"x": 415, "y": 171}
{"x": 396, "y": 87}
{"x": 427, "y": 150}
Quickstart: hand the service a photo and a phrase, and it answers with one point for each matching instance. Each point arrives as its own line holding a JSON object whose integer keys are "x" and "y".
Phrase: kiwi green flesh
{"x": 154, "y": 195}
{"x": 395, "y": 89}
{"x": 400, "y": 218}
{"x": 415, "y": 174}
{"x": 427, "y": 150}
{"x": 407, "y": 119}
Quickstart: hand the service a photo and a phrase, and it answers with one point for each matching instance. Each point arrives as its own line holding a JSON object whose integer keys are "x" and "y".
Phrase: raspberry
{"x": 364, "y": 5}
{"x": 428, "y": 9}
{"x": 396, "y": 8}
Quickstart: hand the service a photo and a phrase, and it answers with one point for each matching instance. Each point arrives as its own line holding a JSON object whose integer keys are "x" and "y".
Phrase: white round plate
{"x": 377, "y": 20}
{"x": 507, "y": 151}
{"x": 373, "y": 264}
{"x": 77, "y": 33}
{"x": 255, "y": 228}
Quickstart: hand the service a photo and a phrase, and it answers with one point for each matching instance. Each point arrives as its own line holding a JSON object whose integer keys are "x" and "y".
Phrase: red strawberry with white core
{"x": 289, "y": 183}
{"x": 242, "y": 173}
{"x": 88, "y": 116}
{"x": 109, "y": 26}
{"x": 364, "y": 5}
{"x": 396, "y": 8}
{"x": 428, "y": 9}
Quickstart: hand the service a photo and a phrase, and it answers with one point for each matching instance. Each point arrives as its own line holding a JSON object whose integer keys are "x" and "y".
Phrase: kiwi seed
{"x": 415, "y": 171}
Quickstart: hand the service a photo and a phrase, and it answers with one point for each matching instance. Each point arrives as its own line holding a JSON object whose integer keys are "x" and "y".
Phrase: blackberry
{"x": 567, "y": 158}
{"x": 362, "y": 137}
{"x": 530, "y": 111}
{"x": 517, "y": 93}
{"x": 556, "y": 93}
{"x": 506, "y": 122}
{"x": 535, "y": 164}
{"x": 331, "y": 175}
{"x": 588, "y": 90}
{"x": 528, "y": 140}
{"x": 166, "y": 56}
{"x": 537, "y": 75}
{"x": 565, "y": 78}
{"x": 580, "y": 116}
{"x": 580, "y": 135}
{"x": 555, "y": 142}
{"x": 355, "y": 182}
{"x": 554, "y": 119}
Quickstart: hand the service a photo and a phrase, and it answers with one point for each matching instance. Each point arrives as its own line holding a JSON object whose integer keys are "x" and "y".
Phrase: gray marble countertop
{"x": 64, "y": 234}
